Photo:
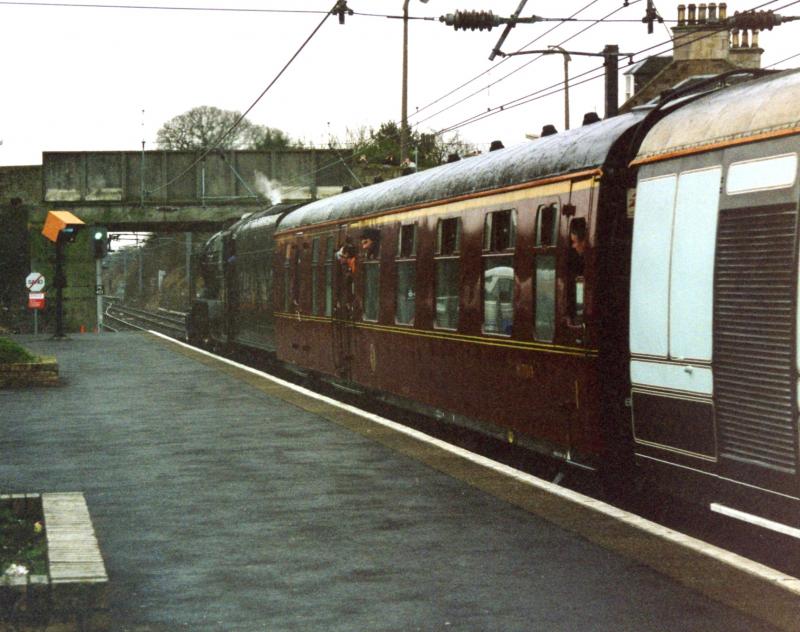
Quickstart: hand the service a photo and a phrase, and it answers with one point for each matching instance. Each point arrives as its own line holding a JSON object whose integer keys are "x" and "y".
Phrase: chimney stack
{"x": 697, "y": 35}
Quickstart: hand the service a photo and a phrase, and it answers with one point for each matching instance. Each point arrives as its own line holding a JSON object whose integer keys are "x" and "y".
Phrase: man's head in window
{"x": 370, "y": 241}
{"x": 577, "y": 235}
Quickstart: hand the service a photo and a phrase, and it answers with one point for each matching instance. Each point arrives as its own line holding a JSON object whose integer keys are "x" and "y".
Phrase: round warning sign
{"x": 34, "y": 282}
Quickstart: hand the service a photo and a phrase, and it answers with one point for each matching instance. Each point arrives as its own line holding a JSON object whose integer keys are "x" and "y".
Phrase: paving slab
{"x": 219, "y": 506}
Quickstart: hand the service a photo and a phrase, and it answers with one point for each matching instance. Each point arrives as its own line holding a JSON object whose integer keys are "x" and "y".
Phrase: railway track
{"x": 168, "y": 322}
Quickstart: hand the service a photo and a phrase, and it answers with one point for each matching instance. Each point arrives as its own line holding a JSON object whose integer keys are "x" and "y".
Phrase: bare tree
{"x": 207, "y": 127}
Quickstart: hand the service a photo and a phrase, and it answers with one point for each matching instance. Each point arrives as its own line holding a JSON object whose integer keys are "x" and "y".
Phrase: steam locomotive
{"x": 621, "y": 293}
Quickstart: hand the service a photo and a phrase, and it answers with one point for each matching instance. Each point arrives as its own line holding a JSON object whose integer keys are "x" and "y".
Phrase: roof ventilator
{"x": 591, "y": 117}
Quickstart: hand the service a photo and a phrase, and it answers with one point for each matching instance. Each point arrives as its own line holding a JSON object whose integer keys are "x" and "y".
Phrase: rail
{"x": 169, "y": 322}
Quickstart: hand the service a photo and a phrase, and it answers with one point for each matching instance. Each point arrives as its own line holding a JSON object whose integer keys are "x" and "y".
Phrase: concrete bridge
{"x": 167, "y": 191}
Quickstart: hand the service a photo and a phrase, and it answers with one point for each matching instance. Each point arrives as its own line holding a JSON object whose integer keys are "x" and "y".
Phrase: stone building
{"x": 702, "y": 46}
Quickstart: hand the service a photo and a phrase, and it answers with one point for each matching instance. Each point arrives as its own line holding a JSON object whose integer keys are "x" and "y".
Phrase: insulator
{"x": 472, "y": 20}
{"x": 341, "y": 9}
{"x": 759, "y": 20}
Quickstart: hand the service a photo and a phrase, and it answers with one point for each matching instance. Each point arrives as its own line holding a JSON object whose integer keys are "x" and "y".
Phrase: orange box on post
{"x": 57, "y": 221}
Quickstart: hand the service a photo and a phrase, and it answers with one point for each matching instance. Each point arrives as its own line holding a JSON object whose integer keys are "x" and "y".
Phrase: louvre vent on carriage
{"x": 753, "y": 356}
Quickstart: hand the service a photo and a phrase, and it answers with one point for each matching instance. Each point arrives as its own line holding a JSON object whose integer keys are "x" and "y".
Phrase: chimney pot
{"x": 745, "y": 44}
{"x": 712, "y": 12}
{"x": 701, "y": 17}
{"x": 723, "y": 11}
{"x": 681, "y": 14}
{"x": 692, "y": 20}
{"x": 735, "y": 38}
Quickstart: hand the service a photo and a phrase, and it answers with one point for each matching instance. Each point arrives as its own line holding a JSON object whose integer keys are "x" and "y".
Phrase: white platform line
{"x": 755, "y": 520}
{"x": 787, "y": 582}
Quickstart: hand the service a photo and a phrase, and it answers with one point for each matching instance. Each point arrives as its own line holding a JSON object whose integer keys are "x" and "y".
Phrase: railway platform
{"x": 224, "y": 501}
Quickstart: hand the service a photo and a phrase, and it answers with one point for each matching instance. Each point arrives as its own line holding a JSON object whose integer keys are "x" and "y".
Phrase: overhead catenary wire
{"x": 153, "y": 7}
{"x": 215, "y": 144}
{"x": 785, "y": 59}
{"x": 525, "y": 65}
{"x": 722, "y": 27}
{"x": 595, "y": 22}
{"x": 326, "y": 15}
{"x": 502, "y": 61}
{"x": 656, "y": 46}
{"x": 557, "y": 87}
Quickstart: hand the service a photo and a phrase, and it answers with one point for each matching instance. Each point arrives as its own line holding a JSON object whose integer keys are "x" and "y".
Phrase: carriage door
{"x": 343, "y": 303}
{"x": 755, "y": 315}
{"x": 671, "y": 311}
{"x": 231, "y": 294}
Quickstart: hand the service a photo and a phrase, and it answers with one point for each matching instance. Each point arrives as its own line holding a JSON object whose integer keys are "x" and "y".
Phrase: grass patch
{"x": 12, "y": 353}
{"x": 22, "y": 541}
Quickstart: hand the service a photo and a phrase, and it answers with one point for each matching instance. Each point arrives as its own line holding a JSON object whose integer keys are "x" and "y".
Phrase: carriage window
{"x": 498, "y": 295}
{"x": 315, "y": 302}
{"x": 545, "y": 319}
{"x": 406, "y": 292}
{"x": 578, "y": 240}
{"x": 448, "y": 241}
{"x": 499, "y": 234}
{"x": 290, "y": 280}
{"x": 448, "y": 236}
{"x": 408, "y": 241}
{"x": 546, "y": 225}
{"x": 406, "y": 276}
{"x": 329, "y": 276}
{"x": 447, "y": 293}
{"x": 544, "y": 274}
{"x": 285, "y": 286}
{"x": 295, "y": 277}
{"x": 500, "y": 231}
{"x": 371, "y": 277}
{"x": 748, "y": 176}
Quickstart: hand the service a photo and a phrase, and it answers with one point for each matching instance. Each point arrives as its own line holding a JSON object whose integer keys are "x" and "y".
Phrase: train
{"x": 621, "y": 297}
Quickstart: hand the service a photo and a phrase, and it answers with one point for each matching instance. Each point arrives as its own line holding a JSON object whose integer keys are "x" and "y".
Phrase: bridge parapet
{"x": 183, "y": 179}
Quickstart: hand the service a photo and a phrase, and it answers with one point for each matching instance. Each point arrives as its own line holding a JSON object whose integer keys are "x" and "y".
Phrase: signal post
{"x": 99, "y": 249}
{"x": 61, "y": 227}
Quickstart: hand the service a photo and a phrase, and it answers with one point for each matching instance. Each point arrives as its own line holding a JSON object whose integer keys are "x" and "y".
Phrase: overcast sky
{"x": 79, "y": 78}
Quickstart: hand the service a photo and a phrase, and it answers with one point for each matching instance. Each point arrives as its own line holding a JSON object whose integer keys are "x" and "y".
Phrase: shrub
{"x": 11, "y": 352}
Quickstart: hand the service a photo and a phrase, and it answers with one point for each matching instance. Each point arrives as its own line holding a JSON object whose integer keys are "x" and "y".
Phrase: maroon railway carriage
{"x": 480, "y": 293}
{"x": 511, "y": 292}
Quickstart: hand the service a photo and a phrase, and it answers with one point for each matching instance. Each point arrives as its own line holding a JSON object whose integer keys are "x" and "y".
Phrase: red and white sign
{"x": 36, "y": 300}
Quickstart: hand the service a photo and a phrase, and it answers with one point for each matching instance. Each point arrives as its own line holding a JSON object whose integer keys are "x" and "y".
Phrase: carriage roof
{"x": 753, "y": 110}
{"x": 572, "y": 151}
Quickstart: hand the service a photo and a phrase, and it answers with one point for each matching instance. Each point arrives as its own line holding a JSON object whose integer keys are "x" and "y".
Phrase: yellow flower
{"x": 37, "y": 527}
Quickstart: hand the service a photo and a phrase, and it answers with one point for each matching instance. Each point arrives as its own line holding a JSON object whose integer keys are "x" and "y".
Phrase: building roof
{"x": 673, "y": 74}
{"x": 648, "y": 65}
